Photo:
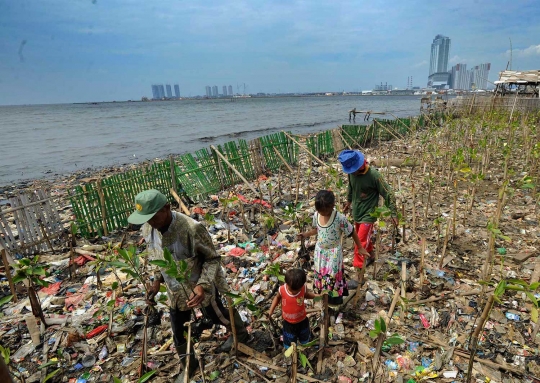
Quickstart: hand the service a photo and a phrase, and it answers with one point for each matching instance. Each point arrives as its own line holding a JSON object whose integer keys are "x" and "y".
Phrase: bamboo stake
{"x": 233, "y": 327}
{"x": 353, "y": 140}
{"x": 343, "y": 139}
{"x": 102, "y": 203}
{"x": 44, "y": 233}
{"x": 184, "y": 208}
{"x": 294, "y": 366}
{"x": 377, "y": 237}
{"x": 322, "y": 334}
{"x": 188, "y": 356}
{"x": 173, "y": 173}
{"x": 305, "y": 149}
{"x": 7, "y": 269}
{"x": 388, "y": 130}
{"x": 233, "y": 168}
{"x": 421, "y": 267}
{"x": 454, "y": 211}
{"x": 380, "y": 339}
{"x": 282, "y": 159}
{"x": 413, "y": 209}
{"x": 403, "y": 288}
{"x": 444, "y": 246}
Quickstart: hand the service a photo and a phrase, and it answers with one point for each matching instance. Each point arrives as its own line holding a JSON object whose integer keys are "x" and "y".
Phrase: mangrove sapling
{"x": 379, "y": 333}
{"x": 29, "y": 270}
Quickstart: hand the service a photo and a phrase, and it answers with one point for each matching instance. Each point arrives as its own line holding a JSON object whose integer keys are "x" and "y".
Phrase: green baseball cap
{"x": 147, "y": 204}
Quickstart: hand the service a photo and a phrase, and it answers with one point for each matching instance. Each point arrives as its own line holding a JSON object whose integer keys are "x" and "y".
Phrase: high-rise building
{"x": 208, "y": 91}
{"x": 169, "y": 91}
{"x": 224, "y": 90}
{"x": 438, "y": 65}
{"x": 161, "y": 91}
{"x": 155, "y": 92}
{"x": 440, "y": 49}
{"x": 230, "y": 90}
{"x": 460, "y": 79}
{"x": 176, "y": 91}
{"x": 214, "y": 91}
{"x": 479, "y": 76}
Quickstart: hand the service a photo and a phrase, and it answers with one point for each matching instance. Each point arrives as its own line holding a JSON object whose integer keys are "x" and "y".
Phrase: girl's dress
{"x": 328, "y": 257}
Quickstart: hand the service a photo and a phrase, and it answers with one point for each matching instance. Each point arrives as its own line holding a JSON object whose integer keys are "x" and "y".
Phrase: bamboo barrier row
{"x": 104, "y": 205}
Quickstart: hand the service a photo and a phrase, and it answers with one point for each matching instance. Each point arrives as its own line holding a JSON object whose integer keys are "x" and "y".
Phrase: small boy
{"x": 292, "y": 295}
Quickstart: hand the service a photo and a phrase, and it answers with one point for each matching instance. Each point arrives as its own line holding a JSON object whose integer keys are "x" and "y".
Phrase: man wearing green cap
{"x": 187, "y": 240}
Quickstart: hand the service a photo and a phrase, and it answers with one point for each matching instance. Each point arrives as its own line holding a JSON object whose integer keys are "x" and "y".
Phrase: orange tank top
{"x": 292, "y": 306}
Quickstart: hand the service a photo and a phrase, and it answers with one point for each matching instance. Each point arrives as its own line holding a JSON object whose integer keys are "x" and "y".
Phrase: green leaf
{"x": 118, "y": 264}
{"x": 18, "y": 278}
{"x": 110, "y": 303}
{"x": 252, "y": 307}
{"x": 310, "y": 344}
{"x": 147, "y": 376}
{"x": 24, "y": 262}
{"x": 534, "y": 286}
{"x": 116, "y": 380}
{"x": 52, "y": 374}
{"x": 303, "y": 359}
{"x": 213, "y": 375}
{"x": 500, "y": 289}
{"x": 159, "y": 263}
{"x": 281, "y": 278}
{"x": 532, "y": 298}
{"x": 534, "y": 315}
{"x": 114, "y": 285}
{"x": 162, "y": 289}
{"x": 394, "y": 340}
{"x": 130, "y": 272}
{"x": 39, "y": 271}
{"x": 49, "y": 363}
{"x": 167, "y": 255}
{"x": 383, "y": 325}
{"x": 518, "y": 282}
{"x": 374, "y": 333}
{"x": 377, "y": 325}
{"x": 5, "y": 300}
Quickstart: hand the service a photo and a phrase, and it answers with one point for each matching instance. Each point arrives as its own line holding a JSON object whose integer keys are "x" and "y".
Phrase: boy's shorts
{"x": 293, "y": 332}
{"x": 364, "y": 231}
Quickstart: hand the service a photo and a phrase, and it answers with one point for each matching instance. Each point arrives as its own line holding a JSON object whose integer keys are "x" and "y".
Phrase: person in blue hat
{"x": 365, "y": 186}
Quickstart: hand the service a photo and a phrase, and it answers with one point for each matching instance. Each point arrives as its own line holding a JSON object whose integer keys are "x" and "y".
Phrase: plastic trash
{"x": 514, "y": 317}
{"x": 88, "y": 360}
{"x": 391, "y": 365}
{"x": 103, "y": 353}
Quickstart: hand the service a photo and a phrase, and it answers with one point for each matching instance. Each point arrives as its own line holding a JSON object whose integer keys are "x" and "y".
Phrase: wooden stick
{"x": 45, "y": 236}
{"x": 233, "y": 328}
{"x": 380, "y": 339}
{"x": 322, "y": 334}
{"x": 184, "y": 208}
{"x": 444, "y": 245}
{"x": 102, "y": 203}
{"x": 403, "y": 288}
{"x": 234, "y": 169}
{"x": 252, "y": 370}
{"x": 344, "y": 142}
{"x": 348, "y": 135}
{"x": 7, "y": 268}
{"x": 360, "y": 275}
{"x": 253, "y": 353}
{"x": 294, "y": 366}
{"x": 376, "y": 255}
{"x": 188, "y": 356}
{"x": 421, "y": 268}
{"x": 173, "y": 174}
{"x": 283, "y": 159}
{"x": 281, "y": 369}
{"x": 305, "y": 149}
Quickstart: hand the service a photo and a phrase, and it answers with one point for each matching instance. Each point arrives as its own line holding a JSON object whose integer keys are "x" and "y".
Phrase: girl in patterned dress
{"x": 329, "y": 224}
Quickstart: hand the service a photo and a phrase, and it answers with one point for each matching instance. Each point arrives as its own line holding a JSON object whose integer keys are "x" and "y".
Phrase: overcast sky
{"x": 59, "y": 51}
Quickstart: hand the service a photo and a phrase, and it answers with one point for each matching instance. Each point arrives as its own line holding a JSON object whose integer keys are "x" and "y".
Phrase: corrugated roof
{"x": 520, "y": 77}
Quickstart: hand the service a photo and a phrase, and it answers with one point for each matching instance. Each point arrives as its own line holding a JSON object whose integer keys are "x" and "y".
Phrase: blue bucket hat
{"x": 351, "y": 160}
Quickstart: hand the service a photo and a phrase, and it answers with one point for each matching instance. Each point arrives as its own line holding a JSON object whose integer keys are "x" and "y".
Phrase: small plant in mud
{"x": 29, "y": 270}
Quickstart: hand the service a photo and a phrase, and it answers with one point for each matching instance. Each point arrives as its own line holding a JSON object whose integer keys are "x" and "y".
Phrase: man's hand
{"x": 197, "y": 297}
{"x": 346, "y": 207}
{"x": 151, "y": 292}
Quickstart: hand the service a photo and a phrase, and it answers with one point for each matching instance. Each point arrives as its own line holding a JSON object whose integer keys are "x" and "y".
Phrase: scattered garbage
{"x": 97, "y": 327}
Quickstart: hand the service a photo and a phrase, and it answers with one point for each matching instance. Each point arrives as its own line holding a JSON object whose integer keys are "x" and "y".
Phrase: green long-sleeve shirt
{"x": 363, "y": 194}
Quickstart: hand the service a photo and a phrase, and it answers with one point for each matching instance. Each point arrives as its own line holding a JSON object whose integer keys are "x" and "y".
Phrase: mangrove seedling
{"x": 29, "y": 270}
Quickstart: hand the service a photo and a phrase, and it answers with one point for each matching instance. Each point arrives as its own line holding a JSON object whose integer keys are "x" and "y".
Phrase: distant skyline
{"x": 95, "y": 50}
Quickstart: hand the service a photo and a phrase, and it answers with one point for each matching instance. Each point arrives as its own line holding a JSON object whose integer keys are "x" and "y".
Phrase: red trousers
{"x": 364, "y": 231}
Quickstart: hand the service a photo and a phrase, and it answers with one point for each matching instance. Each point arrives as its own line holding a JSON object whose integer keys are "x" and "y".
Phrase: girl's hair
{"x": 324, "y": 199}
{"x": 295, "y": 278}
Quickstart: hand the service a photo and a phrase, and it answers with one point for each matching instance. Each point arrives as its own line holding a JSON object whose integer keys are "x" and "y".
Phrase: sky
{"x": 61, "y": 51}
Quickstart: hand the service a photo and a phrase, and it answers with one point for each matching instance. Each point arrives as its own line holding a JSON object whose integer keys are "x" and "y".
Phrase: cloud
{"x": 457, "y": 60}
{"x": 533, "y": 50}
{"x": 420, "y": 64}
